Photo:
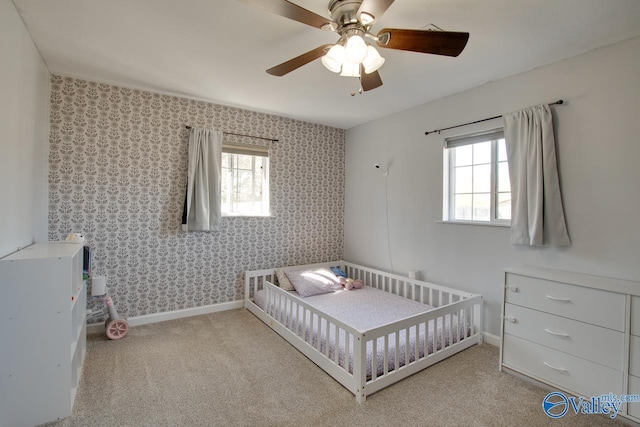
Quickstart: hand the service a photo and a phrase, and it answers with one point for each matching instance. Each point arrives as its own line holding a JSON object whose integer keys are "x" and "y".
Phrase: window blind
{"x": 459, "y": 141}
{"x": 250, "y": 150}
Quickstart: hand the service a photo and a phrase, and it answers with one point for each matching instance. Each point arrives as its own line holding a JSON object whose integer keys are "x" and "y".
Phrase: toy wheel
{"x": 117, "y": 329}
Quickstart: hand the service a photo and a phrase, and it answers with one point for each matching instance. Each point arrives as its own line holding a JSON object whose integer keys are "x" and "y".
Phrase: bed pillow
{"x": 283, "y": 280}
{"x": 313, "y": 281}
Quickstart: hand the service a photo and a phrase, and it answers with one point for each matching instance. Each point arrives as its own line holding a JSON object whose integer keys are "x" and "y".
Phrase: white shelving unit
{"x": 43, "y": 333}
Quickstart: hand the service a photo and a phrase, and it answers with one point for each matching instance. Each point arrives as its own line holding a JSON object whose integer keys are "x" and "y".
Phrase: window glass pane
{"x": 502, "y": 151}
{"x": 504, "y": 206}
{"x": 482, "y": 179}
{"x": 463, "y": 207}
{"x": 464, "y": 155}
{"x": 464, "y": 180}
{"x": 258, "y": 163}
{"x": 225, "y": 207}
{"x": 242, "y": 181}
{"x": 245, "y": 181}
{"x": 482, "y": 207}
{"x": 259, "y": 171}
{"x": 479, "y": 178}
{"x": 503, "y": 183}
{"x": 481, "y": 152}
{"x": 225, "y": 177}
{"x": 257, "y": 184}
{"x": 244, "y": 161}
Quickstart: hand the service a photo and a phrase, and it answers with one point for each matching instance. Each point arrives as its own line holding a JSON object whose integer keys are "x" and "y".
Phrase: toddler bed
{"x": 368, "y": 338}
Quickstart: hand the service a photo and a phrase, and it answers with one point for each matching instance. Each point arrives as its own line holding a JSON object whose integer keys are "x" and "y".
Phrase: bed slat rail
{"x": 416, "y": 290}
{"x": 254, "y": 280}
{"x": 420, "y": 341}
{"x": 317, "y": 332}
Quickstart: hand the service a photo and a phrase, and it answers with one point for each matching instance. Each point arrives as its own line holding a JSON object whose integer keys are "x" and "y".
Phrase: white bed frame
{"x": 447, "y": 303}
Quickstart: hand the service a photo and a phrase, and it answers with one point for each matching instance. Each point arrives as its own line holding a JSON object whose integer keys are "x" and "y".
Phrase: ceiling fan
{"x": 352, "y": 56}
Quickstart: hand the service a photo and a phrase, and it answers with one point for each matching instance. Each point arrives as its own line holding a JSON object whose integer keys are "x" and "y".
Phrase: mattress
{"x": 365, "y": 309}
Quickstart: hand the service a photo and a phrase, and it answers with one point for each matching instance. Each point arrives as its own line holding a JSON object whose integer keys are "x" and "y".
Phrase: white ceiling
{"x": 218, "y": 50}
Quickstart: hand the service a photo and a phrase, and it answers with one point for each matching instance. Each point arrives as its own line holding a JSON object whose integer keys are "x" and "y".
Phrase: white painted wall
{"x": 24, "y": 135}
{"x": 598, "y": 140}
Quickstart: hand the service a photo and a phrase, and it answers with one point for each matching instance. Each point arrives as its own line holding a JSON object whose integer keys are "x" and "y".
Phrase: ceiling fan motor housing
{"x": 344, "y": 12}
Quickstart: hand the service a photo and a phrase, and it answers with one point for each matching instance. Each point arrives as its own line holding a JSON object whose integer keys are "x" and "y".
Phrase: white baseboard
{"x": 98, "y": 328}
{"x": 491, "y": 339}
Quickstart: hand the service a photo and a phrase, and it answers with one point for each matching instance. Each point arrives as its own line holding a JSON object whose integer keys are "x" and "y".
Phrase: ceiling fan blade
{"x": 374, "y": 8}
{"x": 446, "y": 43}
{"x": 291, "y": 11}
{"x": 298, "y": 61}
{"x": 369, "y": 81}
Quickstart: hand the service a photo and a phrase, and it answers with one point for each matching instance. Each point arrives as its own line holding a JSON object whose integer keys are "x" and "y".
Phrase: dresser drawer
{"x": 577, "y": 375}
{"x": 634, "y": 356}
{"x": 634, "y": 388}
{"x": 594, "y": 343}
{"x": 589, "y": 305}
{"x": 635, "y": 316}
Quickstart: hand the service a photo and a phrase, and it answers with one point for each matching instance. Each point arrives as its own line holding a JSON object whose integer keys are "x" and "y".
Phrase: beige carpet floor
{"x": 229, "y": 369}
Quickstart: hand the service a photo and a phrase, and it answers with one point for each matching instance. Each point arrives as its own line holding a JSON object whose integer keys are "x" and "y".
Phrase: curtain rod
{"x": 246, "y": 136}
{"x": 558, "y": 102}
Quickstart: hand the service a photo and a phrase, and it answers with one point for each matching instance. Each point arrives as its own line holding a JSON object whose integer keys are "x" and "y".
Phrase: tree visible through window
{"x": 245, "y": 183}
{"x": 477, "y": 187}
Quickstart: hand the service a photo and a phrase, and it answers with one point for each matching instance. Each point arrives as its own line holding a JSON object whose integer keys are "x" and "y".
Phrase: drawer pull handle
{"x": 558, "y": 334}
{"x": 510, "y": 319}
{"x": 551, "y": 297}
{"x": 513, "y": 288}
{"x": 554, "y": 367}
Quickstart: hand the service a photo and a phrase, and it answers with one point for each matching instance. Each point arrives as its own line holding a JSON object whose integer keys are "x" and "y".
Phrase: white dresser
{"x": 574, "y": 332}
{"x": 43, "y": 333}
{"x": 634, "y": 358}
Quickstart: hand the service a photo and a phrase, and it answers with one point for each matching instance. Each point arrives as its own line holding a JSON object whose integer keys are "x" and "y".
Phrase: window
{"x": 476, "y": 181}
{"x": 245, "y": 181}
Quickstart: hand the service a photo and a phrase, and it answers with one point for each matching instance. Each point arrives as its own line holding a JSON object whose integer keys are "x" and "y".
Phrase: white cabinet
{"x": 573, "y": 332}
{"x": 43, "y": 333}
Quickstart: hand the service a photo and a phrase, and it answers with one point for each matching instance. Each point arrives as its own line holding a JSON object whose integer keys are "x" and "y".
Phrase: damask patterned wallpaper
{"x": 118, "y": 166}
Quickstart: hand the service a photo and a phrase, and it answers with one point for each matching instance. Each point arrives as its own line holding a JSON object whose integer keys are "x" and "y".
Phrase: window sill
{"x": 247, "y": 216}
{"x": 481, "y": 224}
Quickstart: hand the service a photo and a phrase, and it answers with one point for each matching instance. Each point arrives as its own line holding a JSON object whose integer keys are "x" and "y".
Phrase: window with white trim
{"x": 245, "y": 181}
{"x": 476, "y": 179}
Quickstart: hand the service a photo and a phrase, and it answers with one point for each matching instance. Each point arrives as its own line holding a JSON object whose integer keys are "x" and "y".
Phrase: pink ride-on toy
{"x": 116, "y": 326}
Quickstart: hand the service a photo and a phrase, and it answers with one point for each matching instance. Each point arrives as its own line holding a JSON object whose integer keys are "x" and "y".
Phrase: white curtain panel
{"x": 203, "y": 187}
{"x": 537, "y": 215}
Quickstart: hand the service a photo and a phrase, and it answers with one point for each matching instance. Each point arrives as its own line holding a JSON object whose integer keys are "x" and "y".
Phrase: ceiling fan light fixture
{"x": 350, "y": 69}
{"x": 367, "y": 18}
{"x": 356, "y": 49}
{"x": 373, "y": 61}
{"x": 334, "y": 58}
